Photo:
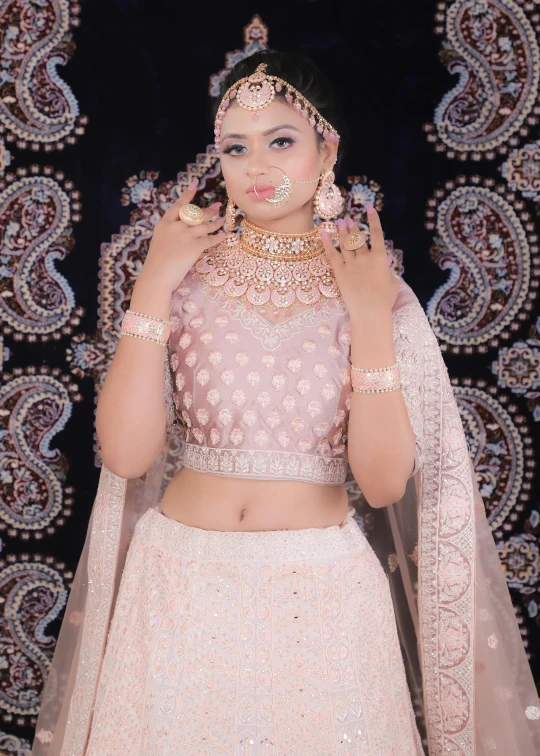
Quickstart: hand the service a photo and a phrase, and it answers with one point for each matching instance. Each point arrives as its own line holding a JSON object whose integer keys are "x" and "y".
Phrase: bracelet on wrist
{"x": 375, "y": 380}
{"x": 139, "y": 325}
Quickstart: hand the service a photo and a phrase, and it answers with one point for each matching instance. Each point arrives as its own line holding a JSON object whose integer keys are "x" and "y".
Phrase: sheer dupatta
{"x": 468, "y": 673}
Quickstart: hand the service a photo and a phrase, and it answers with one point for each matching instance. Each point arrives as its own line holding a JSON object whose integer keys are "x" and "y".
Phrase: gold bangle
{"x": 375, "y": 380}
{"x": 375, "y": 370}
{"x": 144, "y": 338}
{"x": 147, "y": 327}
{"x": 149, "y": 317}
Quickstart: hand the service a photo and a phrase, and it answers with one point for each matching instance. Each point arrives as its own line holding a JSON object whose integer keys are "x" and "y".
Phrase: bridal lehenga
{"x": 315, "y": 642}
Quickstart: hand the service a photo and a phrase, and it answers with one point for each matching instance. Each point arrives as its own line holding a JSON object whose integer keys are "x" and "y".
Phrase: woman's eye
{"x": 233, "y": 149}
{"x": 283, "y": 142}
{"x": 238, "y": 149}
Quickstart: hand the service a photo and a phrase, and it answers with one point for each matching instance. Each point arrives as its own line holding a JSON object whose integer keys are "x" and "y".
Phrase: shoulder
{"x": 411, "y": 325}
{"x": 410, "y": 320}
{"x": 404, "y": 297}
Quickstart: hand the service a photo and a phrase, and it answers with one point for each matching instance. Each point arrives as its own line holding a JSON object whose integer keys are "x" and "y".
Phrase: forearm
{"x": 130, "y": 418}
{"x": 381, "y": 441}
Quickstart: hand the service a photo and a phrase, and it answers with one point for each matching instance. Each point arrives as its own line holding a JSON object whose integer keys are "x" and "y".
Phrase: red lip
{"x": 263, "y": 190}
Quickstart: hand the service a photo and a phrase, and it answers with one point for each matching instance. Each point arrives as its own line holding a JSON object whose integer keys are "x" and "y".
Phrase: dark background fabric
{"x": 140, "y": 73}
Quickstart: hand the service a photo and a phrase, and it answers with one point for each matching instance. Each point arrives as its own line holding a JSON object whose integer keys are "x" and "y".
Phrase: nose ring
{"x": 282, "y": 191}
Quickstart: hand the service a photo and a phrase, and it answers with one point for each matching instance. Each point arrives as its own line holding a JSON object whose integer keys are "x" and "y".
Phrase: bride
{"x": 243, "y": 610}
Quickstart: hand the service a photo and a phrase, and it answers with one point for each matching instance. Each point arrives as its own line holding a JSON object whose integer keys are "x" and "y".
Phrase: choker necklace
{"x": 265, "y": 268}
{"x": 272, "y": 245}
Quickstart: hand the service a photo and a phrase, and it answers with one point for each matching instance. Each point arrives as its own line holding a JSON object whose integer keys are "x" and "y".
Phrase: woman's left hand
{"x": 366, "y": 282}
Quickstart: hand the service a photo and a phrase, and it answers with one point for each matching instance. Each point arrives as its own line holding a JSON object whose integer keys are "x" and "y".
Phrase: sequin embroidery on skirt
{"x": 252, "y": 643}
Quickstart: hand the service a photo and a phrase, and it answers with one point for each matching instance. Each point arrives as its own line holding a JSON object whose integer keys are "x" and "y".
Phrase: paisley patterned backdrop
{"x": 102, "y": 109}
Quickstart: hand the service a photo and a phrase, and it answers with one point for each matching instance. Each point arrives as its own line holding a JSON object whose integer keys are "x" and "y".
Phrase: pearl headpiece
{"x": 257, "y": 91}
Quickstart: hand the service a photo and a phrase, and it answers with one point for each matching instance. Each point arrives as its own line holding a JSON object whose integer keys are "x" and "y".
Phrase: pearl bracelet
{"x": 375, "y": 380}
{"x": 139, "y": 325}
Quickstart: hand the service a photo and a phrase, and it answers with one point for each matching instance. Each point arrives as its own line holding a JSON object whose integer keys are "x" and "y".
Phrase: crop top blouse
{"x": 260, "y": 400}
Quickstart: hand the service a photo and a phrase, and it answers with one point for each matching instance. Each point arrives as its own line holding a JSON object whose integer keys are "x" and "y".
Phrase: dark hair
{"x": 296, "y": 69}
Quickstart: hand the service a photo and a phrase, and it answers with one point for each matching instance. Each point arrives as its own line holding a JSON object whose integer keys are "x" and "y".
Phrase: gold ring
{"x": 354, "y": 240}
{"x": 192, "y": 215}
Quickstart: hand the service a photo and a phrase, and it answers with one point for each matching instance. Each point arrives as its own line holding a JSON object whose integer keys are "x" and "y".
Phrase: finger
{"x": 375, "y": 230}
{"x": 210, "y": 211}
{"x": 172, "y": 213}
{"x": 348, "y": 254}
{"x": 207, "y": 242}
{"x": 203, "y": 229}
{"x": 334, "y": 257}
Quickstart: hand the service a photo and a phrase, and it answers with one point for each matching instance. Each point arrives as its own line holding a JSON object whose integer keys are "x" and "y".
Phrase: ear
{"x": 328, "y": 152}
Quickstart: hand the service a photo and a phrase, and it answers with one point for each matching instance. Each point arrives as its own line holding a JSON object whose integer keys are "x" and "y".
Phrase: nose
{"x": 257, "y": 169}
{"x": 257, "y": 163}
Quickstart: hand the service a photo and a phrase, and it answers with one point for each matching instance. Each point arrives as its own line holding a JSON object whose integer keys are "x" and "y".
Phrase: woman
{"x": 250, "y": 615}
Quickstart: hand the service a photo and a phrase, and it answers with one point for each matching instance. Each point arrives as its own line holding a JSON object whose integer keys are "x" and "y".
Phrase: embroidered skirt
{"x": 266, "y": 643}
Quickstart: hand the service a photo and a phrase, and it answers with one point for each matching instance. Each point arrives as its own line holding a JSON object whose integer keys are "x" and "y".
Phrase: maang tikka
{"x": 257, "y": 91}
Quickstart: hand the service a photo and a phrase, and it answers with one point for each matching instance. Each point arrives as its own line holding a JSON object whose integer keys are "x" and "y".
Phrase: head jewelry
{"x": 257, "y": 91}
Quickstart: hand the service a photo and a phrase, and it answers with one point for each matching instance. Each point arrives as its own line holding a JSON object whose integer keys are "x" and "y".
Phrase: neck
{"x": 298, "y": 222}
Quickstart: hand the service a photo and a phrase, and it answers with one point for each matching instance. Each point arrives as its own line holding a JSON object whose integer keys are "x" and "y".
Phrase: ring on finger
{"x": 192, "y": 215}
{"x": 354, "y": 240}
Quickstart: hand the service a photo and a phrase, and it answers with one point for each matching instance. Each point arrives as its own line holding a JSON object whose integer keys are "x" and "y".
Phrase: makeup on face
{"x": 277, "y": 129}
{"x": 264, "y": 191}
{"x": 279, "y": 143}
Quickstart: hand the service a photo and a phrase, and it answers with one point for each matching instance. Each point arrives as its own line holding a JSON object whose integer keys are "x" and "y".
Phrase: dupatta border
{"x": 446, "y": 558}
{"x": 102, "y": 569}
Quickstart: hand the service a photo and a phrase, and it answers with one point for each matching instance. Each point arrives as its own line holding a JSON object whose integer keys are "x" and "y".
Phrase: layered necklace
{"x": 276, "y": 274}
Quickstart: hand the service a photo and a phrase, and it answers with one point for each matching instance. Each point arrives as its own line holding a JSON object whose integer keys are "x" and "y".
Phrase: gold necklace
{"x": 266, "y": 268}
{"x": 272, "y": 245}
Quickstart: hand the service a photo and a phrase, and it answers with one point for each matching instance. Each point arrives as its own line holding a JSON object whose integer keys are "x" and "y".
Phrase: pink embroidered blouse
{"x": 259, "y": 400}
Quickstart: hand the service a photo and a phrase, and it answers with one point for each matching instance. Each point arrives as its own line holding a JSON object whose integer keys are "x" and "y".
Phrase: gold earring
{"x": 328, "y": 203}
{"x": 230, "y": 223}
{"x": 230, "y": 215}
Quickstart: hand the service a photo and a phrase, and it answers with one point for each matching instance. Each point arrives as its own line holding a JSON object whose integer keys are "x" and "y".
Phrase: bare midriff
{"x": 216, "y": 502}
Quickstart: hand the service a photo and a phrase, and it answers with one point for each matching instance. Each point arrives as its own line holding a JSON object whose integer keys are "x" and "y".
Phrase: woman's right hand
{"x": 175, "y": 246}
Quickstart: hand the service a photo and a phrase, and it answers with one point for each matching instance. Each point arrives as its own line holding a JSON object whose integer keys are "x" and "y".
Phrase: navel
{"x": 243, "y": 514}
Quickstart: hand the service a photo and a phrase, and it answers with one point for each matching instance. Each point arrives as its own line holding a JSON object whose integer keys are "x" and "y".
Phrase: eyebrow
{"x": 265, "y": 133}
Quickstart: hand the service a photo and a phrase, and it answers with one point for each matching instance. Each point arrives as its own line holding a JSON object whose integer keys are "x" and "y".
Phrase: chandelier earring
{"x": 230, "y": 218}
{"x": 328, "y": 203}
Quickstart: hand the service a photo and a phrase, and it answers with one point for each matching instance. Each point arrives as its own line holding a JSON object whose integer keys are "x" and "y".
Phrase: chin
{"x": 268, "y": 213}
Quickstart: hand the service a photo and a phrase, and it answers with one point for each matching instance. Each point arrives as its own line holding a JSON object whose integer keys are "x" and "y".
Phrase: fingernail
{"x": 194, "y": 184}
{"x": 216, "y": 204}
{"x": 350, "y": 223}
{"x": 340, "y": 223}
{"x": 325, "y": 235}
{"x": 370, "y": 208}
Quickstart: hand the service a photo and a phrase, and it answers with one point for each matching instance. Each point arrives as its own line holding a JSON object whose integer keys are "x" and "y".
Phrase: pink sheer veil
{"x": 468, "y": 673}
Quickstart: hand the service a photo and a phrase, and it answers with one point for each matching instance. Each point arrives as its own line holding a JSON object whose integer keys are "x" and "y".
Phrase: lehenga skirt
{"x": 252, "y": 643}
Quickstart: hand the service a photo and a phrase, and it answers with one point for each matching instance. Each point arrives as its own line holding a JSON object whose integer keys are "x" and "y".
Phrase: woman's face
{"x": 279, "y": 136}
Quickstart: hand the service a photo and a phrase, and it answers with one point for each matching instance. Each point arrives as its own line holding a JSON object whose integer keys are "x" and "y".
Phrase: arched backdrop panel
{"x": 104, "y": 108}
